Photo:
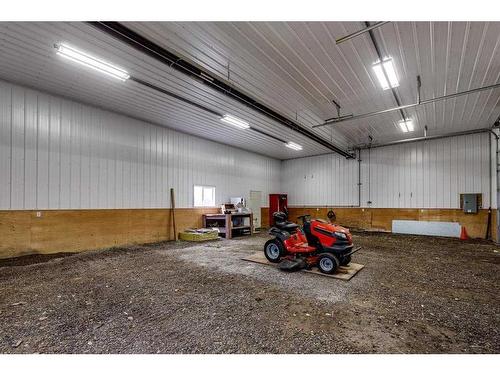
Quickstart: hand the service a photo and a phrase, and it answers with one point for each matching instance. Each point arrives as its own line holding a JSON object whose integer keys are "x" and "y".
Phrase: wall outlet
{"x": 39, "y": 214}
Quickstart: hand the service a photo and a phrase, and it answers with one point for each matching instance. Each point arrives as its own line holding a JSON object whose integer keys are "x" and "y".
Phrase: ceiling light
{"x": 406, "y": 126}
{"x": 409, "y": 125}
{"x": 388, "y": 67}
{"x": 403, "y": 127}
{"x": 91, "y": 61}
{"x": 235, "y": 121}
{"x": 293, "y": 146}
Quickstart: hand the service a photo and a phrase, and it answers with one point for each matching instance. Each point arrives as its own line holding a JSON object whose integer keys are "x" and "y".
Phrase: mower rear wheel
{"x": 345, "y": 260}
{"x": 273, "y": 250}
{"x": 328, "y": 263}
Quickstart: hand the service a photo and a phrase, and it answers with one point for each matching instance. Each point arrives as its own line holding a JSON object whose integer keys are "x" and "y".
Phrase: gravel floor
{"x": 415, "y": 295}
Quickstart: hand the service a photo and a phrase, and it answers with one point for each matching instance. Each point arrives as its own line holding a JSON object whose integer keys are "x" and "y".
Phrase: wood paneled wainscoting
{"x": 381, "y": 218}
{"x": 23, "y": 232}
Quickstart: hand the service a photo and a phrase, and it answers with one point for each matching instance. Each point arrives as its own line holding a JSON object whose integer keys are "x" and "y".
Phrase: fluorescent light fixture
{"x": 235, "y": 122}
{"x": 293, "y": 146}
{"x": 388, "y": 67}
{"x": 91, "y": 61}
{"x": 403, "y": 127}
{"x": 406, "y": 126}
{"x": 409, "y": 125}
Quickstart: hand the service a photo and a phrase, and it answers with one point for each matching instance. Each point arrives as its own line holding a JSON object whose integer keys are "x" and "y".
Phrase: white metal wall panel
{"x": 5, "y": 145}
{"x": 17, "y": 147}
{"x": 429, "y": 174}
{"x": 320, "y": 180}
{"x": 59, "y": 154}
{"x": 56, "y": 154}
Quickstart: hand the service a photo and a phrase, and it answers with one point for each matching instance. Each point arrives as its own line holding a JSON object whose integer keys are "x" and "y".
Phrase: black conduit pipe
{"x": 144, "y": 45}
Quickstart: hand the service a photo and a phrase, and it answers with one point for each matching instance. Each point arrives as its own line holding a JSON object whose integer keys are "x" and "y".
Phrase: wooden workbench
{"x": 226, "y": 225}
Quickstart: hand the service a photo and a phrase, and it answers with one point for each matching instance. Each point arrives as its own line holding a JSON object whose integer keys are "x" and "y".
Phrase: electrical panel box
{"x": 470, "y": 203}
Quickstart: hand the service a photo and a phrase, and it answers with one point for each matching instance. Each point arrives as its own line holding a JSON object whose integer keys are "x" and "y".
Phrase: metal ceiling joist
{"x": 422, "y": 102}
{"x": 173, "y": 95}
{"x": 215, "y": 113}
{"x": 362, "y": 31}
{"x": 199, "y": 106}
{"x": 424, "y": 138}
{"x": 138, "y": 42}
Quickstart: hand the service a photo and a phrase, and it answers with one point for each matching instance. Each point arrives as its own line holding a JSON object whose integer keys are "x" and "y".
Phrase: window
{"x": 204, "y": 196}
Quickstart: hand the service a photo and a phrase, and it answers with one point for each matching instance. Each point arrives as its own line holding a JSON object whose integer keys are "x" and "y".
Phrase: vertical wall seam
{"x": 24, "y": 150}
{"x": 59, "y": 150}
{"x": 70, "y": 153}
{"x": 37, "y": 156}
{"x": 49, "y": 132}
{"x": 11, "y": 144}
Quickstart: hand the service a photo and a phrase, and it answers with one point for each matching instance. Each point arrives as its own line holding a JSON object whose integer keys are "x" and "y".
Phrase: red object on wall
{"x": 277, "y": 202}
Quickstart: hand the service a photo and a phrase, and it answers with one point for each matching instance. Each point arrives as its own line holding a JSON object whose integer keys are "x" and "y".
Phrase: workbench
{"x": 229, "y": 223}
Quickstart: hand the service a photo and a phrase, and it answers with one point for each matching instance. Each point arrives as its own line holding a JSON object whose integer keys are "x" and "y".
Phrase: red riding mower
{"x": 319, "y": 243}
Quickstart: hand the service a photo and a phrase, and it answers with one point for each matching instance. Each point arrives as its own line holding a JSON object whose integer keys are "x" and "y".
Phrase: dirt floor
{"x": 415, "y": 295}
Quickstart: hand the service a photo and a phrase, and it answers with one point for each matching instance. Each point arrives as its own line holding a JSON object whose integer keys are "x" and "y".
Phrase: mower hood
{"x": 332, "y": 230}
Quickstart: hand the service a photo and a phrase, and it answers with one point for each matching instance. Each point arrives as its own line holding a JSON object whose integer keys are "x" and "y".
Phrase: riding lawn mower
{"x": 319, "y": 243}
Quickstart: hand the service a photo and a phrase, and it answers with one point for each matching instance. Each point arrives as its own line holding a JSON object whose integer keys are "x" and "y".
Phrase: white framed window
{"x": 204, "y": 196}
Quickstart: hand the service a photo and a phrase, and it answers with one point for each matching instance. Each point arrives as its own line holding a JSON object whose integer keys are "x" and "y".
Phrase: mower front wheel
{"x": 273, "y": 250}
{"x": 328, "y": 263}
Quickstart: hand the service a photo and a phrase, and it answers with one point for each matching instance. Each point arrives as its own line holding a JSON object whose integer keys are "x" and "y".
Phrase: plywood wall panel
{"x": 23, "y": 232}
{"x": 15, "y": 233}
{"x": 380, "y": 219}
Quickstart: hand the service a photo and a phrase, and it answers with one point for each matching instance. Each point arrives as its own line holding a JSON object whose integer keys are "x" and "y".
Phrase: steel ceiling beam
{"x": 173, "y": 95}
{"x": 362, "y": 31}
{"x": 199, "y": 106}
{"x": 423, "y": 102}
{"x": 419, "y": 139}
{"x": 144, "y": 45}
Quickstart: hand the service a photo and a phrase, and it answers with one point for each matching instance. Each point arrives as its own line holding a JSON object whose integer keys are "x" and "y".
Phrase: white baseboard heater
{"x": 427, "y": 228}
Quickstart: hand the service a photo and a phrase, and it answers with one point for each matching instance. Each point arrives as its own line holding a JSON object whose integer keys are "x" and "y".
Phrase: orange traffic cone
{"x": 463, "y": 234}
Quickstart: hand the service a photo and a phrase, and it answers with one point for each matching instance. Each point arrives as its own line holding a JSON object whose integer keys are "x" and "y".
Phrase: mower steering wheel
{"x": 303, "y": 217}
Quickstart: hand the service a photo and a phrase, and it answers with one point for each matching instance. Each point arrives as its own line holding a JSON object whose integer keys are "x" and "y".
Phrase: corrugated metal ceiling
{"x": 293, "y": 67}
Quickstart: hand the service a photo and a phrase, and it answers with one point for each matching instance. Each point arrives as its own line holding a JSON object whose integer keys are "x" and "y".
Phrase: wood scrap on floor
{"x": 198, "y": 235}
{"x": 343, "y": 273}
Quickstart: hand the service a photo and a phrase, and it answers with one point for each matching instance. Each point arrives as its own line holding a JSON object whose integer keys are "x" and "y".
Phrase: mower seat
{"x": 287, "y": 226}
{"x": 281, "y": 222}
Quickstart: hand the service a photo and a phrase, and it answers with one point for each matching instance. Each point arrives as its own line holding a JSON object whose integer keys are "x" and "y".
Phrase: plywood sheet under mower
{"x": 343, "y": 272}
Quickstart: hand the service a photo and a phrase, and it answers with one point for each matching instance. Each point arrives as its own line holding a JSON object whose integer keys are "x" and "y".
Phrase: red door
{"x": 277, "y": 202}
